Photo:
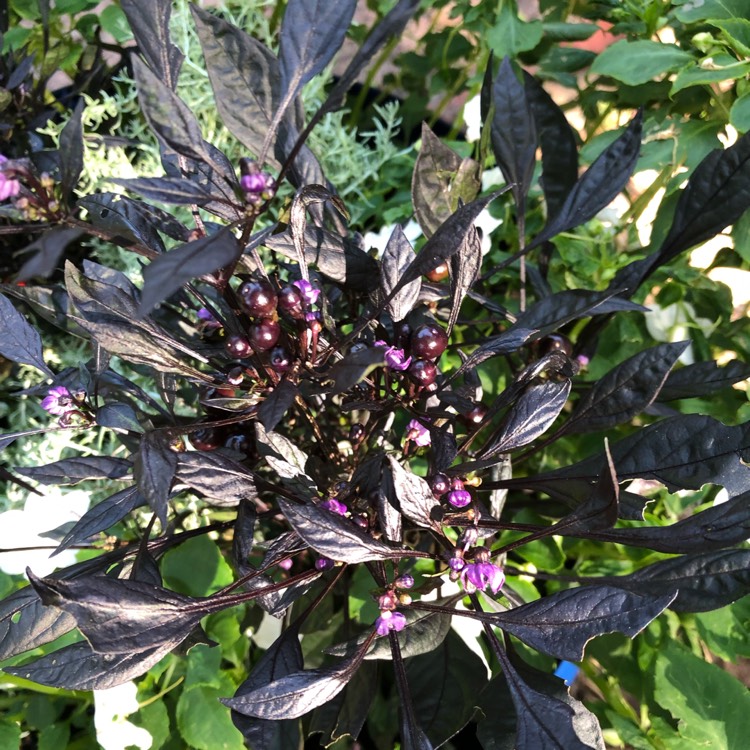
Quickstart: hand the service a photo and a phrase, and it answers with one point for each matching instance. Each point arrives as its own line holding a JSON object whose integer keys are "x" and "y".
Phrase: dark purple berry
{"x": 280, "y": 359}
{"x": 238, "y": 346}
{"x": 422, "y": 371}
{"x": 259, "y": 298}
{"x": 207, "y": 439}
{"x": 556, "y": 342}
{"x": 356, "y": 433}
{"x": 290, "y": 302}
{"x": 235, "y": 376}
{"x": 428, "y": 341}
{"x": 474, "y": 416}
{"x": 439, "y": 273}
{"x": 265, "y": 334}
{"x": 439, "y": 484}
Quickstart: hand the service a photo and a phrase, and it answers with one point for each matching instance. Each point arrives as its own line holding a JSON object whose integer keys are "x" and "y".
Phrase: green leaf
{"x": 654, "y": 59}
{"x": 511, "y": 35}
{"x": 691, "y": 11}
{"x": 739, "y": 114}
{"x": 203, "y": 667}
{"x": 204, "y": 723}
{"x": 113, "y": 21}
{"x": 10, "y": 734}
{"x": 711, "y": 706}
{"x": 56, "y": 736}
{"x": 196, "y": 568}
{"x": 737, "y": 33}
{"x": 152, "y": 717}
{"x": 726, "y": 631}
{"x": 716, "y": 69}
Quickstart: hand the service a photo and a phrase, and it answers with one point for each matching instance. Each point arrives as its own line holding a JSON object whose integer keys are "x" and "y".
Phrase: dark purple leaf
{"x": 465, "y": 267}
{"x": 531, "y": 416}
{"x": 79, "y": 667}
{"x": 118, "y": 417}
{"x": 119, "y": 616}
{"x": 389, "y": 517}
{"x": 336, "y": 537}
{"x": 154, "y": 469}
{"x": 505, "y": 343}
{"x": 626, "y": 390}
{"x": 440, "y": 682}
{"x": 50, "y": 247}
{"x": 353, "y": 368}
{"x": 296, "y": 693}
{"x": 397, "y": 256}
{"x": 224, "y": 481}
{"x": 168, "y": 272}
{"x": 444, "y": 447}
{"x": 702, "y": 379}
{"x": 102, "y": 516}
{"x": 149, "y": 21}
{"x": 562, "y": 624}
{"x": 598, "y": 185}
{"x": 704, "y": 582}
{"x": 440, "y": 179}
{"x": 600, "y": 509}
{"x": 277, "y": 403}
{"x": 71, "y": 153}
{"x": 78, "y": 469}
{"x": 553, "y": 312}
{"x": 244, "y": 76}
{"x": 171, "y": 190}
{"x": 19, "y": 342}
{"x": 558, "y": 143}
{"x": 335, "y": 257}
{"x": 25, "y": 623}
{"x": 412, "y": 493}
{"x": 513, "y": 132}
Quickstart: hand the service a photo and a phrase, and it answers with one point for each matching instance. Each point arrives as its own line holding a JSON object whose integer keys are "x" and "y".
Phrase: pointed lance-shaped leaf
{"x": 297, "y": 693}
{"x": 50, "y": 247}
{"x": 558, "y": 144}
{"x": 506, "y": 342}
{"x": 273, "y": 407}
{"x": 79, "y": 667}
{"x": 102, "y": 516}
{"x": 413, "y": 493}
{"x": 177, "y": 191}
{"x": 224, "y": 481}
{"x": 168, "y": 272}
{"x": 704, "y": 581}
{"x": 598, "y": 185}
{"x": 149, "y": 21}
{"x": 70, "y": 154}
{"x": 120, "y": 616}
{"x": 78, "y": 469}
{"x": 531, "y": 416}
{"x": 702, "y": 379}
{"x": 440, "y": 179}
{"x": 397, "y": 257}
{"x": 154, "y": 470}
{"x": 336, "y": 537}
{"x": 563, "y": 623}
{"x": 626, "y": 390}
{"x": 465, "y": 267}
{"x": 19, "y": 342}
{"x": 353, "y": 368}
{"x": 514, "y": 137}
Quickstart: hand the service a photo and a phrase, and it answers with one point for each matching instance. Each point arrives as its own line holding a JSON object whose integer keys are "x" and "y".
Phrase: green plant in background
{"x": 692, "y": 86}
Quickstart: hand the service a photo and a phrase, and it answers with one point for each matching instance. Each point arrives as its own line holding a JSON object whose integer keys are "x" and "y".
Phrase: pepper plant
{"x": 324, "y": 410}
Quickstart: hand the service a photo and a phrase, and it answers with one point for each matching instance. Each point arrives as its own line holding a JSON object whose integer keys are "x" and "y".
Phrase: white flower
{"x": 378, "y": 240}
{"x": 673, "y": 323}
{"x": 24, "y": 528}
{"x": 113, "y": 731}
{"x": 488, "y": 224}
{"x": 492, "y": 178}
{"x": 473, "y": 118}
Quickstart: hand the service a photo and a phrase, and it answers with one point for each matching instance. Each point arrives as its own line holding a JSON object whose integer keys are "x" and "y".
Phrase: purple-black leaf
{"x": 562, "y": 624}
{"x": 171, "y": 190}
{"x": 702, "y": 379}
{"x": 513, "y": 132}
{"x": 336, "y": 537}
{"x": 224, "y": 481}
{"x": 168, "y": 272}
{"x": 50, "y": 247}
{"x": 154, "y": 469}
{"x": 626, "y": 390}
{"x": 19, "y": 342}
{"x": 465, "y": 267}
{"x": 505, "y": 343}
{"x": 78, "y": 469}
{"x": 353, "y": 368}
{"x": 118, "y": 416}
{"x": 275, "y": 404}
{"x": 397, "y": 256}
{"x": 71, "y": 153}
{"x": 412, "y": 493}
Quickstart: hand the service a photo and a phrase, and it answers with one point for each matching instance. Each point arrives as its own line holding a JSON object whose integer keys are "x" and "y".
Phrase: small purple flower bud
{"x": 583, "y": 360}
{"x": 307, "y": 291}
{"x": 9, "y": 187}
{"x": 388, "y": 601}
{"x": 439, "y": 484}
{"x": 459, "y": 498}
{"x": 405, "y": 581}
{"x": 469, "y": 537}
{"x": 456, "y": 563}
{"x": 395, "y": 358}
{"x": 206, "y": 319}
{"x": 58, "y": 401}
{"x": 286, "y": 563}
{"x": 418, "y": 433}
{"x": 334, "y": 506}
{"x": 323, "y": 563}
{"x": 389, "y": 621}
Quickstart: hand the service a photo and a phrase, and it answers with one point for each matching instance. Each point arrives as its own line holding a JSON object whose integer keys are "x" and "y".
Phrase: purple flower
{"x": 9, "y": 188}
{"x": 405, "y": 581}
{"x": 459, "y": 498}
{"x": 456, "y": 563}
{"x": 395, "y": 359}
{"x": 333, "y": 505}
{"x": 480, "y": 575}
{"x": 58, "y": 401}
{"x": 206, "y": 319}
{"x": 418, "y": 433}
{"x": 324, "y": 563}
{"x": 307, "y": 291}
{"x": 286, "y": 563}
{"x": 389, "y": 621}
{"x": 257, "y": 183}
